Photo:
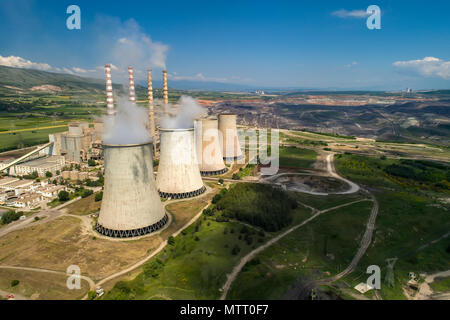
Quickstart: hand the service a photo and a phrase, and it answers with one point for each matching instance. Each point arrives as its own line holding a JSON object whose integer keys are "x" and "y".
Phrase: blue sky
{"x": 312, "y": 44}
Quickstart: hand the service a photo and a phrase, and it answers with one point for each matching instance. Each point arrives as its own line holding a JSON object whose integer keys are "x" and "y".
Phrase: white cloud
{"x": 428, "y": 67}
{"x": 354, "y": 63}
{"x": 18, "y": 62}
{"x": 342, "y": 13}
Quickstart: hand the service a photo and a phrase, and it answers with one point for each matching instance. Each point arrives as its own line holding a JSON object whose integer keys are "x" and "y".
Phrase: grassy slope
{"x": 298, "y": 158}
{"x": 409, "y": 217}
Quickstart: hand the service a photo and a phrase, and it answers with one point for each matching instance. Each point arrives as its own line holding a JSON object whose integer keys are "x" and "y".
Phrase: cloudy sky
{"x": 312, "y": 44}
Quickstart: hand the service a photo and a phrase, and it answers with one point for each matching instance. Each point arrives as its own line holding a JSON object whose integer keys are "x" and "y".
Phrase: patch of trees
{"x": 10, "y": 216}
{"x": 258, "y": 205}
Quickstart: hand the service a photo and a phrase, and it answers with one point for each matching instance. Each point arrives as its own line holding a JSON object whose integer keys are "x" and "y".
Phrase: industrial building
{"x": 231, "y": 148}
{"x": 80, "y": 143}
{"x": 131, "y": 204}
{"x": 178, "y": 172}
{"x": 41, "y": 166}
{"x": 208, "y": 148}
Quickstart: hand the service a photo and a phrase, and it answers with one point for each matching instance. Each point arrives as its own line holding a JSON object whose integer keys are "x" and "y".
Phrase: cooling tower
{"x": 131, "y": 84}
{"x": 151, "y": 113}
{"x": 209, "y": 151}
{"x": 178, "y": 173}
{"x": 231, "y": 149}
{"x": 109, "y": 91}
{"x": 131, "y": 204}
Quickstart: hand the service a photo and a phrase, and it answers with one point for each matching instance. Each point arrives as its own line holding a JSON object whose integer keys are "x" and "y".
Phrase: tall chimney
{"x": 109, "y": 91}
{"x": 165, "y": 90}
{"x": 131, "y": 82}
{"x": 151, "y": 114}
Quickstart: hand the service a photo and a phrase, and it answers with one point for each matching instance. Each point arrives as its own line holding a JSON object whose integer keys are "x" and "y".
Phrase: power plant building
{"x": 178, "y": 172}
{"x": 208, "y": 148}
{"x": 131, "y": 204}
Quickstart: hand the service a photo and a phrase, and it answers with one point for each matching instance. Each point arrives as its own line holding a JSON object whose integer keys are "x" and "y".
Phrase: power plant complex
{"x": 131, "y": 203}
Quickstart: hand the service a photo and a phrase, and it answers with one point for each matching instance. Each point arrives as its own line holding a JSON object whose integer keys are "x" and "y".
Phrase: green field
{"x": 196, "y": 265}
{"x": 411, "y": 215}
{"x": 296, "y": 157}
{"x": 303, "y": 253}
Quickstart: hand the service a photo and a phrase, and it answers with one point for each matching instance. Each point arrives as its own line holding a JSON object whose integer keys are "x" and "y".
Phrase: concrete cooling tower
{"x": 131, "y": 204}
{"x": 178, "y": 173}
{"x": 231, "y": 149}
{"x": 208, "y": 148}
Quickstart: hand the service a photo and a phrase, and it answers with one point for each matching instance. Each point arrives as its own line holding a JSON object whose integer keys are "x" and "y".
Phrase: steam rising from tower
{"x": 131, "y": 84}
{"x": 109, "y": 92}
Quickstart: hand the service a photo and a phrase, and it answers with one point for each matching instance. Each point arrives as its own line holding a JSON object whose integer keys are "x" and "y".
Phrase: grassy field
{"x": 296, "y": 157}
{"x": 441, "y": 285}
{"x": 83, "y": 206}
{"x": 411, "y": 216}
{"x": 196, "y": 265}
{"x": 40, "y": 285}
{"x": 326, "y": 244}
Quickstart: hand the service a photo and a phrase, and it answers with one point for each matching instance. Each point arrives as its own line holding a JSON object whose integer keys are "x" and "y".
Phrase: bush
{"x": 235, "y": 251}
{"x": 92, "y": 163}
{"x": 153, "y": 269}
{"x": 86, "y": 193}
{"x": 99, "y": 196}
{"x": 48, "y": 174}
{"x": 92, "y": 295}
{"x": 171, "y": 240}
{"x": 236, "y": 177}
{"x": 63, "y": 196}
{"x": 14, "y": 283}
{"x": 10, "y": 216}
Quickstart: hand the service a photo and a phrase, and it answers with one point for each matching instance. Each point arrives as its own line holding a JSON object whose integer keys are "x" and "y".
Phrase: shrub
{"x": 236, "y": 177}
{"x": 92, "y": 163}
{"x": 63, "y": 196}
{"x": 86, "y": 193}
{"x": 10, "y": 216}
{"x": 48, "y": 174}
{"x": 99, "y": 196}
{"x": 14, "y": 283}
{"x": 171, "y": 240}
{"x": 236, "y": 249}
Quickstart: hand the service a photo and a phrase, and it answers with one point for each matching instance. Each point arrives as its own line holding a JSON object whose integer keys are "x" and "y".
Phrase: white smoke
{"x": 189, "y": 110}
{"x": 128, "y": 126}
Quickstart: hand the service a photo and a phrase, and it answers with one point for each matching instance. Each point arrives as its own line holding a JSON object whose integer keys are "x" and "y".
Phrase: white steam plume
{"x": 128, "y": 126}
{"x": 188, "y": 112}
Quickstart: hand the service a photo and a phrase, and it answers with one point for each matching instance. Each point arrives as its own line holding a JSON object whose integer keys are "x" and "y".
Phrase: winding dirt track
{"x": 365, "y": 242}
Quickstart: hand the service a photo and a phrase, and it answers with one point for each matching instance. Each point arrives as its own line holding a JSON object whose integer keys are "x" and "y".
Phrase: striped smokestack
{"x": 151, "y": 114}
{"x": 165, "y": 90}
{"x": 109, "y": 92}
{"x": 131, "y": 82}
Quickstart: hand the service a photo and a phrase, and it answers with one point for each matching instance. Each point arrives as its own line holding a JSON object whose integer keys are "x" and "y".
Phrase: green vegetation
{"x": 99, "y": 196}
{"x": 441, "y": 284}
{"x": 326, "y": 244}
{"x": 258, "y": 205}
{"x": 63, "y": 196}
{"x": 297, "y": 158}
{"x": 14, "y": 283}
{"x": 11, "y": 216}
{"x": 410, "y": 218}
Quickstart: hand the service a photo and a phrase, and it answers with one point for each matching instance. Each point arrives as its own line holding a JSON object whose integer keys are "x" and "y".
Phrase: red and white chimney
{"x": 131, "y": 83}
{"x": 109, "y": 91}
